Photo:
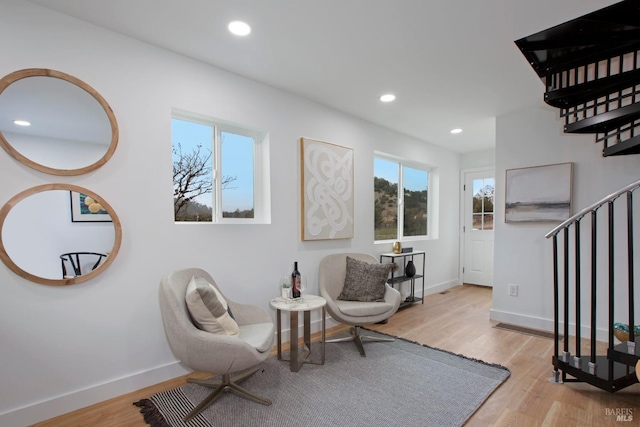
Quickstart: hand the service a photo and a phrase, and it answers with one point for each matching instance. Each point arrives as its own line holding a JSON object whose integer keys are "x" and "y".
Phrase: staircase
{"x": 591, "y": 72}
{"x": 577, "y": 280}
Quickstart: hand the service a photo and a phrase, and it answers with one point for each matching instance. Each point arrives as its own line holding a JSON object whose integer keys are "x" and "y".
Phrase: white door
{"x": 478, "y": 227}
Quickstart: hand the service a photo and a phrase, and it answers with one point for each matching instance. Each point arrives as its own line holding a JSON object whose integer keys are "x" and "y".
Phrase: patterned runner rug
{"x": 400, "y": 383}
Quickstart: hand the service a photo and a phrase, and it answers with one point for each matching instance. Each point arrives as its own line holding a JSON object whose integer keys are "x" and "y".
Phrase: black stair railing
{"x": 590, "y": 67}
{"x": 615, "y": 369}
{"x": 600, "y": 98}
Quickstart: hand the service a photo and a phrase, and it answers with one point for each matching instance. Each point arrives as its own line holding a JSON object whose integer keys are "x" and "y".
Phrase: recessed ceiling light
{"x": 21, "y": 123}
{"x": 388, "y": 97}
{"x": 456, "y": 130}
{"x": 239, "y": 28}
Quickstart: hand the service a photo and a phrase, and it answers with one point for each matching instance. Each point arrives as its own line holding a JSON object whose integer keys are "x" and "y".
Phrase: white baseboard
{"x": 521, "y": 320}
{"x": 50, "y": 408}
{"x": 316, "y": 324}
{"x": 440, "y": 287}
{"x": 59, "y": 405}
{"x": 544, "y": 324}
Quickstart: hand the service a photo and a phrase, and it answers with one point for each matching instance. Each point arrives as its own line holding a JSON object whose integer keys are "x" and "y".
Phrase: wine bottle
{"x": 295, "y": 281}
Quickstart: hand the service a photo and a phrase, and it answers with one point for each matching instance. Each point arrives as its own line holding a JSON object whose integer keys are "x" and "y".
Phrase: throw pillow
{"x": 364, "y": 281}
{"x": 208, "y": 308}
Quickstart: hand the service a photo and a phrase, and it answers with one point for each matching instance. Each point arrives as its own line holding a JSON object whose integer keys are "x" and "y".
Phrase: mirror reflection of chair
{"x": 80, "y": 262}
{"x": 331, "y": 280}
{"x": 223, "y": 353}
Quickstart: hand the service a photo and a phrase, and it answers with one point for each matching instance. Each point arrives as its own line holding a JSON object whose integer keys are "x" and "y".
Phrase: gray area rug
{"x": 399, "y": 383}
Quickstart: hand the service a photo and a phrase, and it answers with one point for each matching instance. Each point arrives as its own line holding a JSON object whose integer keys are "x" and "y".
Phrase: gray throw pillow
{"x": 364, "y": 281}
{"x": 209, "y": 309}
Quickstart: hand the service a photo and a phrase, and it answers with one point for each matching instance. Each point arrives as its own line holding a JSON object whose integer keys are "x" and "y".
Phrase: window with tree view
{"x": 483, "y": 203}
{"x": 399, "y": 214}
{"x": 213, "y": 171}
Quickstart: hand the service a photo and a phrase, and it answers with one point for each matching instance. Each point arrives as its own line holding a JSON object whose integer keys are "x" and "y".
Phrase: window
{"x": 218, "y": 171}
{"x": 483, "y": 203}
{"x": 400, "y": 214}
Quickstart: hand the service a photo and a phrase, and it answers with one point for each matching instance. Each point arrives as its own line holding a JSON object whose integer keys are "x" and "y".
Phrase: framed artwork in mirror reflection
{"x": 85, "y": 208}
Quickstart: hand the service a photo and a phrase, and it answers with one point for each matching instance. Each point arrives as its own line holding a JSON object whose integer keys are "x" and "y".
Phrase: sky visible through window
{"x": 237, "y": 161}
{"x": 482, "y": 184}
{"x": 237, "y": 155}
{"x": 414, "y": 179}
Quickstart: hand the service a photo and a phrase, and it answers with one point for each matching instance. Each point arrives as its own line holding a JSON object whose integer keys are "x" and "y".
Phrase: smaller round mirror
{"x": 55, "y": 123}
{"x": 58, "y": 234}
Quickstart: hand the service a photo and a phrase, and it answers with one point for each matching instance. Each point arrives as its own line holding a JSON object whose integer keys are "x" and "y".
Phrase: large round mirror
{"x": 58, "y": 234}
{"x": 55, "y": 123}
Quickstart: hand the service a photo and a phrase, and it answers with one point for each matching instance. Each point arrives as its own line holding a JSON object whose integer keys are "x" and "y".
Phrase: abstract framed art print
{"x": 538, "y": 193}
{"x": 326, "y": 190}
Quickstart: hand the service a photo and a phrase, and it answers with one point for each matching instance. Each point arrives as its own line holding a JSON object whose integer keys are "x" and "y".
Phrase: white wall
{"x": 478, "y": 159}
{"x": 57, "y": 153}
{"x": 523, "y": 256}
{"x": 62, "y": 348}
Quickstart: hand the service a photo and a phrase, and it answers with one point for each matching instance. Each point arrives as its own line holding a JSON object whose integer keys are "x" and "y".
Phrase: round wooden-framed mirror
{"x": 55, "y": 123}
{"x": 44, "y": 227}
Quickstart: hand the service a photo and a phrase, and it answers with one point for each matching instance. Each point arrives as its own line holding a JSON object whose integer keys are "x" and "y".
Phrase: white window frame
{"x": 431, "y": 220}
{"x": 261, "y": 172}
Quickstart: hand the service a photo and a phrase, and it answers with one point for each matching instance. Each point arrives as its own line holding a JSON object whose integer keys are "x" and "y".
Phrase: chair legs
{"x": 224, "y": 384}
{"x": 358, "y": 338}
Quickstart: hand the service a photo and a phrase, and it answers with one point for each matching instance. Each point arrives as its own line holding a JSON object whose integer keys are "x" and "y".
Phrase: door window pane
{"x": 483, "y": 199}
{"x": 488, "y": 221}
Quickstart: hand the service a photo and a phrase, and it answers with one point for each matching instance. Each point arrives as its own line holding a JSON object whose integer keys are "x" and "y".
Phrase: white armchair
{"x": 215, "y": 353}
{"x": 331, "y": 279}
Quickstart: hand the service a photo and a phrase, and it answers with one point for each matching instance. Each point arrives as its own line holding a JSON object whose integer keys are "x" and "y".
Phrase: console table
{"x": 395, "y": 279}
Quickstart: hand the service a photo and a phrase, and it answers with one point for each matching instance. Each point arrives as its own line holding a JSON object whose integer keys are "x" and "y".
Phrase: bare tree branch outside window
{"x": 192, "y": 177}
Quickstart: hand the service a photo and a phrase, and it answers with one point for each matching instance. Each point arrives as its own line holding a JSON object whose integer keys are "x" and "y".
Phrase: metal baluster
{"x": 556, "y": 303}
{"x": 620, "y": 71}
{"x": 611, "y": 285}
{"x": 631, "y": 346}
{"x": 575, "y": 78}
{"x": 566, "y": 354}
{"x": 608, "y": 97}
{"x": 576, "y": 359}
{"x": 594, "y": 260}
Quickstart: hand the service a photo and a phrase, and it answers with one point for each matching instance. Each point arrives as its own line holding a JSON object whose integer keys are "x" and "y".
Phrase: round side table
{"x": 294, "y": 307}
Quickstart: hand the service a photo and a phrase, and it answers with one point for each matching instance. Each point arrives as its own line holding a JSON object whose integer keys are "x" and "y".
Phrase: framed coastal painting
{"x": 326, "y": 190}
{"x": 538, "y": 193}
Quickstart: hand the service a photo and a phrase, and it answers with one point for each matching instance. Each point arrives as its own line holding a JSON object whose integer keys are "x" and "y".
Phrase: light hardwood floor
{"x": 457, "y": 321}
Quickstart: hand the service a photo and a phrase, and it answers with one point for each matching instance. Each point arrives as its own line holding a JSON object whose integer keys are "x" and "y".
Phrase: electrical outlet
{"x": 513, "y": 290}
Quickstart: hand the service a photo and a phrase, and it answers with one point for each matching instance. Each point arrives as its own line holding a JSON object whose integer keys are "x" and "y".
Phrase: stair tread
{"x": 620, "y": 354}
{"x": 605, "y": 122}
{"x": 623, "y": 376}
{"x": 572, "y": 96}
{"x": 595, "y": 36}
{"x": 629, "y": 146}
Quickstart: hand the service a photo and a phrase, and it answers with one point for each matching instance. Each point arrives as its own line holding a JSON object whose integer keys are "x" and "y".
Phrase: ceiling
{"x": 451, "y": 64}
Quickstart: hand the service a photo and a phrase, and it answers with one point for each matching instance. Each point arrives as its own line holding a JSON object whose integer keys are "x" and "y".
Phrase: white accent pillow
{"x": 209, "y": 309}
